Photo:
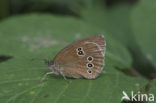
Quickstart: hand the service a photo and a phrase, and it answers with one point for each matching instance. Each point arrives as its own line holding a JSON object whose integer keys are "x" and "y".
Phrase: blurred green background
{"x": 40, "y": 28}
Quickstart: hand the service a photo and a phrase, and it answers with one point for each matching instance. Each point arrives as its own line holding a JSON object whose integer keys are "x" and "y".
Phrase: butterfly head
{"x": 51, "y": 65}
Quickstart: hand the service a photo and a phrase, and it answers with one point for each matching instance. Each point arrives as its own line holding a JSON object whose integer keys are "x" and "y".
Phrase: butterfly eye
{"x": 90, "y": 58}
{"x": 79, "y": 49}
{"x": 90, "y": 65}
{"x": 80, "y": 53}
{"x": 89, "y": 71}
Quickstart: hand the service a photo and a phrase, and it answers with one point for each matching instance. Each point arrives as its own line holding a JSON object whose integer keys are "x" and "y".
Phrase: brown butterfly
{"x": 81, "y": 59}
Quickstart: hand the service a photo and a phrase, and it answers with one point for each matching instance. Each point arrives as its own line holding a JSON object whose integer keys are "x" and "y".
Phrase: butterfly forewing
{"x": 83, "y": 58}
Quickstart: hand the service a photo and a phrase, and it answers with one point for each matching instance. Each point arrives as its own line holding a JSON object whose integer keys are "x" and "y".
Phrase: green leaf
{"x": 153, "y": 89}
{"x": 144, "y": 23}
{"x": 41, "y": 36}
{"x": 114, "y": 20}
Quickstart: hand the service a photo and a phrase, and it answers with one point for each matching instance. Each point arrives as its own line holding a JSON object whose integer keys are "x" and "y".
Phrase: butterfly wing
{"x": 83, "y": 58}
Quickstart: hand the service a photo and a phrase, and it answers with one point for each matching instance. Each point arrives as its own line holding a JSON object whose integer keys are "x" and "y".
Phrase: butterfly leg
{"x": 64, "y": 77}
{"x": 46, "y": 75}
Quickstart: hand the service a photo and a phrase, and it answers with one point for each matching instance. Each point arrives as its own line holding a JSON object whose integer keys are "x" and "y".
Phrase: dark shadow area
{"x": 114, "y": 2}
{"x": 15, "y": 7}
{"x": 4, "y": 58}
{"x": 129, "y": 71}
{"x": 43, "y": 7}
{"x": 141, "y": 64}
{"x": 46, "y": 95}
{"x": 70, "y": 8}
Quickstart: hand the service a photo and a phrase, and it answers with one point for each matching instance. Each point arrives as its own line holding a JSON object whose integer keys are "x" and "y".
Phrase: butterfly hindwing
{"x": 83, "y": 58}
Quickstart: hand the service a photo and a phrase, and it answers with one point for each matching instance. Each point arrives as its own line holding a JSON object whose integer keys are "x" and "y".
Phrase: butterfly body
{"x": 81, "y": 59}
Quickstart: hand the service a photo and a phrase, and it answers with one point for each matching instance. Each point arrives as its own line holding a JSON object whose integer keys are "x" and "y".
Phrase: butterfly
{"x": 81, "y": 59}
